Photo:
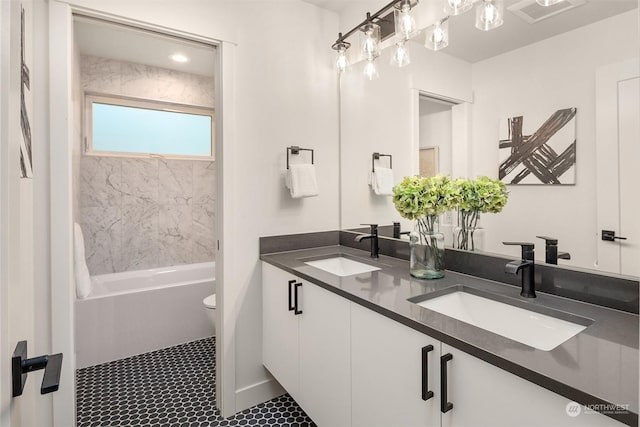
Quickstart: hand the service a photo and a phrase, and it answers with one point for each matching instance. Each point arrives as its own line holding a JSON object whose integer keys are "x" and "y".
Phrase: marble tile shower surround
{"x": 146, "y": 213}
{"x": 144, "y": 81}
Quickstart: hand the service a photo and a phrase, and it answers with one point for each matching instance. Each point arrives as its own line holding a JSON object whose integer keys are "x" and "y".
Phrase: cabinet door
{"x": 389, "y": 373}
{"x": 280, "y": 353}
{"x": 484, "y": 395}
{"x": 325, "y": 371}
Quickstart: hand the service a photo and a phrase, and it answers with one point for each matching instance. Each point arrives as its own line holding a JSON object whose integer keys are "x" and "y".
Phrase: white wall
{"x": 283, "y": 87}
{"x": 286, "y": 95}
{"x": 555, "y": 73}
{"x": 382, "y": 115}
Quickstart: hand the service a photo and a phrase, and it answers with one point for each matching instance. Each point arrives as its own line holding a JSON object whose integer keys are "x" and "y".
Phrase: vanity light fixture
{"x": 400, "y": 56}
{"x": 457, "y": 7}
{"x": 548, "y": 2}
{"x": 370, "y": 39}
{"x": 437, "y": 35}
{"x": 405, "y": 24}
{"x": 489, "y": 14}
{"x": 341, "y": 47}
{"x": 178, "y": 57}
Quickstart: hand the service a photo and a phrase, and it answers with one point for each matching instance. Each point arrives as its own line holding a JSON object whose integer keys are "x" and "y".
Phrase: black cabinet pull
{"x": 295, "y": 298}
{"x": 445, "y": 405}
{"x": 426, "y": 393}
{"x": 291, "y": 307}
{"x": 610, "y": 236}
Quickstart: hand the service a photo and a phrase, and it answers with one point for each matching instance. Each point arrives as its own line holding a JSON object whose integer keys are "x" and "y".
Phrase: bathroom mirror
{"x": 458, "y": 100}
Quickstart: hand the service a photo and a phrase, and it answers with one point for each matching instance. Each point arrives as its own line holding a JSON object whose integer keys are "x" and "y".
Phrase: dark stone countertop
{"x": 597, "y": 366}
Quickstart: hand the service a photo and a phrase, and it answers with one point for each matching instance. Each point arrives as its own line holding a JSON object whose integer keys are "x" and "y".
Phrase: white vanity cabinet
{"x": 395, "y": 373}
{"x": 347, "y": 365}
{"x": 306, "y": 345}
{"x": 483, "y": 395}
{"x": 390, "y": 373}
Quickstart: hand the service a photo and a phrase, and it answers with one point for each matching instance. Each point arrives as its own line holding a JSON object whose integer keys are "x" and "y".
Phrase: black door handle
{"x": 610, "y": 236}
{"x": 295, "y": 298}
{"x": 21, "y": 366}
{"x": 291, "y": 307}
{"x": 445, "y": 405}
{"x": 426, "y": 393}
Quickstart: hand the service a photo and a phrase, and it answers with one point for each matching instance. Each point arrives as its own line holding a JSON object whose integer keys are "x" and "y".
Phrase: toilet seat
{"x": 210, "y": 301}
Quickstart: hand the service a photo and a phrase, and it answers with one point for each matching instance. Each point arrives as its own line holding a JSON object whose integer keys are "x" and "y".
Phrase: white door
{"x": 16, "y": 230}
{"x": 280, "y": 351}
{"x": 617, "y": 151}
{"x": 395, "y": 374}
{"x": 629, "y": 141}
{"x": 325, "y": 363}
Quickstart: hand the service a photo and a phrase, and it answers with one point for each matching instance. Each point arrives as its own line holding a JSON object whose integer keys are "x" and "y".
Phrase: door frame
{"x": 608, "y": 254}
{"x": 460, "y": 140}
{"x": 460, "y": 129}
{"x": 61, "y": 131}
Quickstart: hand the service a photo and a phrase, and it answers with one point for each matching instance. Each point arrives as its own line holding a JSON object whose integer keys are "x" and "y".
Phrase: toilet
{"x": 210, "y": 306}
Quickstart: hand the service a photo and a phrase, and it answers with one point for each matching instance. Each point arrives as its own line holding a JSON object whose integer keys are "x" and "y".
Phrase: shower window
{"x": 133, "y": 127}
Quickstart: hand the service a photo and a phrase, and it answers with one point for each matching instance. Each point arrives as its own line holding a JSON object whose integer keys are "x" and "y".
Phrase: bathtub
{"x": 136, "y": 312}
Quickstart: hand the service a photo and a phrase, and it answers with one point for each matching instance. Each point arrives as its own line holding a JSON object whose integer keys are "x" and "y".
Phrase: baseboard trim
{"x": 257, "y": 393}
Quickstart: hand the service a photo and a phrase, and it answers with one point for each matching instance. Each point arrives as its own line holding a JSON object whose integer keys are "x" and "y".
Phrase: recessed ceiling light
{"x": 178, "y": 57}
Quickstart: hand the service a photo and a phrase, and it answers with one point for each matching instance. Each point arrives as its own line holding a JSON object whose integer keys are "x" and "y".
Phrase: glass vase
{"x": 427, "y": 249}
{"x": 468, "y": 235}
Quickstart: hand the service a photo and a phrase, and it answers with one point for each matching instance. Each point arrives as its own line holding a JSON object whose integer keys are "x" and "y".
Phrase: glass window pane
{"x": 123, "y": 129}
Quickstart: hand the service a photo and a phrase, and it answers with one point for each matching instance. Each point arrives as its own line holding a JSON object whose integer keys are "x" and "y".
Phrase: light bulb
{"x": 548, "y": 2}
{"x": 370, "y": 46}
{"x": 178, "y": 57}
{"x": 370, "y": 41}
{"x": 400, "y": 56}
{"x": 456, "y": 7}
{"x": 405, "y": 23}
{"x": 489, "y": 14}
{"x": 437, "y": 35}
{"x": 371, "y": 70}
{"x": 342, "y": 62}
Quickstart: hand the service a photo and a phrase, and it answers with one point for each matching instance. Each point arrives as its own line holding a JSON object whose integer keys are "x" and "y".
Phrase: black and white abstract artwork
{"x": 538, "y": 149}
{"x": 26, "y": 156}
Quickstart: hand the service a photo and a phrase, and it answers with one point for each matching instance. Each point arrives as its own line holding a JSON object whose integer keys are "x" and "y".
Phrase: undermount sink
{"x": 341, "y": 266}
{"x": 542, "y": 330}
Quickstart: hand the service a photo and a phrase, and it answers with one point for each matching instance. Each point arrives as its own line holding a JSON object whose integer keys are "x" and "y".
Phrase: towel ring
{"x": 294, "y": 149}
{"x": 376, "y": 156}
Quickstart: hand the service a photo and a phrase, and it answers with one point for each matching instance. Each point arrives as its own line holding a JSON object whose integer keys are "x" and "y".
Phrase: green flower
{"x": 417, "y": 196}
{"x": 482, "y": 194}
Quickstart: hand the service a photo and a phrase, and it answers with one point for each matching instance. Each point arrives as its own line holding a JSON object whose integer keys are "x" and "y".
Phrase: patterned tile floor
{"x": 169, "y": 387}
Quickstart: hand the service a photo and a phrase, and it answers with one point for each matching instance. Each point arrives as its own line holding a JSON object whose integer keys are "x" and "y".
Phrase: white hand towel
{"x": 83, "y": 280}
{"x": 301, "y": 180}
{"x": 382, "y": 182}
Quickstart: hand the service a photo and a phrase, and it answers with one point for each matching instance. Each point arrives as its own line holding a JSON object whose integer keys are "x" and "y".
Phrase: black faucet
{"x": 551, "y": 251}
{"x": 526, "y": 263}
{"x": 374, "y": 239}
{"x": 396, "y": 231}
